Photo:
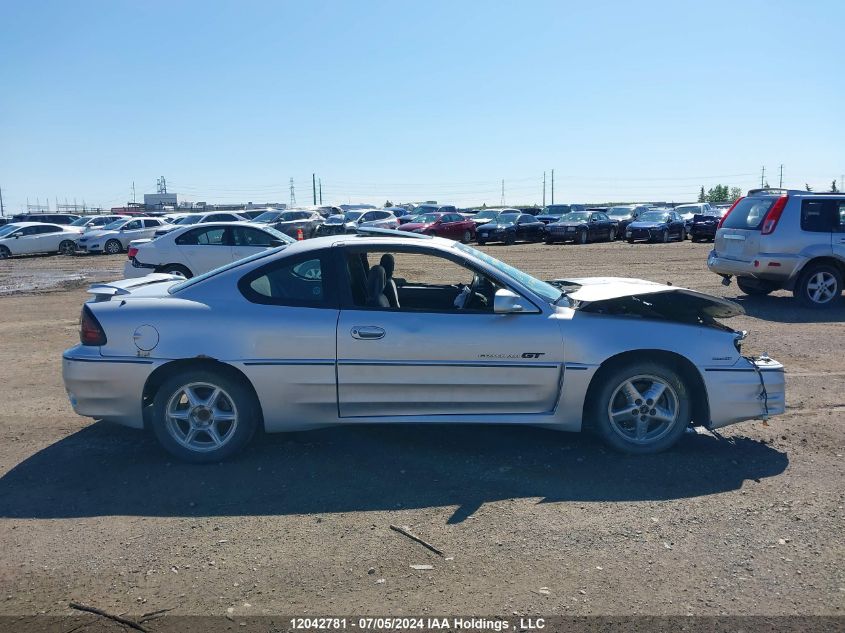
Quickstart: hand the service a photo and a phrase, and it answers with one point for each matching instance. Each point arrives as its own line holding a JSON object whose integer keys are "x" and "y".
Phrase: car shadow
{"x": 109, "y": 470}
{"x": 786, "y": 309}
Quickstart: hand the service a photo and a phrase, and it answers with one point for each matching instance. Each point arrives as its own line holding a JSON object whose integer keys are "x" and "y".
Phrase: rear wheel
{"x": 582, "y": 236}
{"x": 683, "y": 234}
{"x": 466, "y": 238}
{"x": 113, "y": 247}
{"x": 67, "y": 247}
{"x": 641, "y": 408}
{"x": 176, "y": 269}
{"x": 510, "y": 238}
{"x": 5, "y": 253}
{"x": 819, "y": 286}
{"x": 611, "y": 237}
{"x": 755, "y": 287}
{"x": 204, "y": 415}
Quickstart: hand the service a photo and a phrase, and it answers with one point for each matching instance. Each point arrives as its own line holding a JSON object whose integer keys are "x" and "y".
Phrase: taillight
{"x": 90, "y": 330}
{"x": 770, "y": 222}
{"x": 725, "y": 217}
{"x": 131, "y": 252}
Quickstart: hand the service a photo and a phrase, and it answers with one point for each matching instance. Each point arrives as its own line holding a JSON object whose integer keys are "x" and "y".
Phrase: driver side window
{"x": 416, "y": 282}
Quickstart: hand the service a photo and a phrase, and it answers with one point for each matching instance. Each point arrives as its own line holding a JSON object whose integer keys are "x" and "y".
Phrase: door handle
{"x": 367, "y": 332}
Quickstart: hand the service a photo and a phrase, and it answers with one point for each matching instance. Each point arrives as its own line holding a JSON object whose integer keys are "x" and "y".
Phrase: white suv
{"x": 778, "y": 238}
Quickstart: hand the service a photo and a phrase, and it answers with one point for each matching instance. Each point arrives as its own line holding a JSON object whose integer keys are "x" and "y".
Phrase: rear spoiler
{"x": 121, "y": 287}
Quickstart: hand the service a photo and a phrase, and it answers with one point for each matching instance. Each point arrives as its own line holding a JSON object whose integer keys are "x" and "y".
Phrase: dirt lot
{"x": 531, "y": 522}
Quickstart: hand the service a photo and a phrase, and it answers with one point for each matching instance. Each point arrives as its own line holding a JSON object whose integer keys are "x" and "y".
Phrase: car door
{"x": 424, "y": 361}
{"x": 133, "y": 230}
{"x": 27, "y": 241}
{"x": 205, "y": 248}
{"x": 248, "y": 240}
{"x": 48, "y": 238}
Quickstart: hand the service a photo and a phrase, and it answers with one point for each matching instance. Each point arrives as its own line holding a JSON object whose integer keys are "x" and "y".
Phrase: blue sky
{"x": 416, "y": 100}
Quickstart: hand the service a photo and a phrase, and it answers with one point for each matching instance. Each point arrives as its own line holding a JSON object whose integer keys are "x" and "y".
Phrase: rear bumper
{"x": 736, "y": 393}
{"x": 106, "y": 388}
{"x": 770, "y": 267}
{"x": 131, "y": 269}
{"x": 703, "y": 230}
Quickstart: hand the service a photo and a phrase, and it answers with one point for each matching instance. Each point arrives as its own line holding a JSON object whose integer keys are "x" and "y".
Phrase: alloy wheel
{"x": 643, "y": 409}
{"x": 201, "y": 417}
{"x": 822, "y": 287}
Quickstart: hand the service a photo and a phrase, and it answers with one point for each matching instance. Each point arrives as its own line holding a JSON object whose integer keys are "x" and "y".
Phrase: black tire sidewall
{"x": 245, "y": 403}
{"x": 600, "y": 424}
{"x": 182, "y": 270}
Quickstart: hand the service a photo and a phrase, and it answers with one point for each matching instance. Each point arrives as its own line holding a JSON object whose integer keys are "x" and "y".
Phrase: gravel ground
{"x": 530, "y": 521}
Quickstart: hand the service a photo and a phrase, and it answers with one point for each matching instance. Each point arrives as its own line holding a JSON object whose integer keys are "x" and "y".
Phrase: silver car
{"x": 777, "y": 238}
{"x": 115, "y": 237}
{"x": 384, "y": 326}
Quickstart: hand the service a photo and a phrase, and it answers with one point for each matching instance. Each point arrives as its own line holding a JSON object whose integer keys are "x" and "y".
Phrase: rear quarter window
{"x": 820, "y": 216}
{"x": 749, "y": 213}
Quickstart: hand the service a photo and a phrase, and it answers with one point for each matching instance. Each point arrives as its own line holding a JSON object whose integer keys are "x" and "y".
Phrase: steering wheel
{"x": 476, "y": 299}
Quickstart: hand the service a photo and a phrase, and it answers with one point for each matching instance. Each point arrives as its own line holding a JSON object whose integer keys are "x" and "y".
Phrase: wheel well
{"x": 688, "y": 372}
{"x": 829, "y": 261}
{"x": 157, "y": 378}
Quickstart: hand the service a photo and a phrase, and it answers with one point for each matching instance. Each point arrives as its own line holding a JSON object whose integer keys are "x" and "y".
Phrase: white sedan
{"x": 27, "y": 238}
{"x": 192, "y": 250}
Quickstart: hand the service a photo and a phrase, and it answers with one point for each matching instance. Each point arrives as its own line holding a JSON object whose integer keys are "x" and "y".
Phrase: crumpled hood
{"x": 595, "y": 291}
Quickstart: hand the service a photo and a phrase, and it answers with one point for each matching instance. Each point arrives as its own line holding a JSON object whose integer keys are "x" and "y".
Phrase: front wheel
{"x": 5, "y": 253}
{"x": 67, "y": 247}
{"x": 510, "y": 239}
{"x": 113, "y": 247}
{"x": 582, "y": 236}
{"x": 664, "y": 236}
{"x": 611, "y": 237}
{"x": 204, "y": 415}
{"x": 466, "y": 238}
{"x": 481, "y": 242}
{"x": 819, "y": 286}
{"x": 641, "y": 408}
{"x": 683, "y": 235}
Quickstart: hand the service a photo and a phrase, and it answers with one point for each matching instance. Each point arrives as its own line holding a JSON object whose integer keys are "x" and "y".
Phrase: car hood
{"x": 93, "y": 235}
{"x": 492, "y": 226}
{"x": 481, "y": 220}
{"x": 568, "y": 223}
{"x": 622, "y": 295}
{"x": 411, "y": 226}
{"x": 646, "y": 225}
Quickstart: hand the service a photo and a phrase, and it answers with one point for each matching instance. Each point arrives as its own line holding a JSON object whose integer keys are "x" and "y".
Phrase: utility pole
{"x": 292, "y": 194}
{"x": 553, "y": 186}
{"x": 763, "y": 176}
{"x": 2, "y": 209}
{"x": 314, "y": 188}
{"x": 320, "y": 184}
{"x": 133, "y": 192}
{"x": 544, "y": 189}
{"x": 503, "y": 192}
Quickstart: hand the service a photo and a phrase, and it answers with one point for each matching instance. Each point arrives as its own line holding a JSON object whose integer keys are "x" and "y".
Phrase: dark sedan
{"x": 554, "y": 212}
{"x": 656, "y": 226}
{"x": 451, "y": 225}
{"x": 291, "y": 222}
{"x": 511, "y": 227}
{"x": 581, "y": 227}
{"x": 704, "y": 225}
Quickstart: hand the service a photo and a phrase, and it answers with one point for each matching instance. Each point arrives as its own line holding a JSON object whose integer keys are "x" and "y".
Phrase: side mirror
{"x": 508, "y": 302}
{"x": 276, "y": 242}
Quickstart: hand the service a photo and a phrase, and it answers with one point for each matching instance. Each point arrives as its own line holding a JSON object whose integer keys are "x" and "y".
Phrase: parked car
{"x": 688, "y": 211}
{"x": 200, "y": 218}
{"x": 350, "y": 221}
{"x": 581, "y": 227}
{"x": 485, "y": 216}
{"x": 92, "y": 222}
{"x": 201, "y": 362}
{"x": 624, "y": 215}
{"x": 432, "y": 207}
{"x": 553, "y": 212}
{"x": 790, "y": 239}
{"x": 450, "y": 225}
{"x": 29, "y": 238}
{"x": 194, "y": 250}
{"x": 703, "y": 225}
{"x": 50, "y": 218}
{"x": 510, "y": 228}
{"x": 292, "y": 221}
{"x": 115, "y": 237}
{"x": 656, "y": 226}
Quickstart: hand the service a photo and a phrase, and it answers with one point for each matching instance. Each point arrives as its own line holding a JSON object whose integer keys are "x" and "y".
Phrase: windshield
{"x": 267, "y": 216}
{"x": 351, "y": 216}
{"x": 541, "y": 288}
{"x": 487, "y": 214}
{"x": 80, "y": 222}
{"x": 425, "y": 208}
{"x": 578, "y": 216}
{"x": 619, "y": 211}
{"x": 558, "y": 209}
{"x": 428, "y": 218}
{"x": 690, "y": 208}
{"x": 195, "y": 280}
{"x": 507, "y": 218}
{"x": 654, "y": 216}
{"x": 278, "y": 234}
{"x": 189, "y": 219}
{"x": 5, "y": 230}
{"x": 113, "y": 226}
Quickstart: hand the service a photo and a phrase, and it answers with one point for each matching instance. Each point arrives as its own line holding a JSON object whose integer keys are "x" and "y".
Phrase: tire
{"x": 5, "y": 253}
{"x": 664, "y": 236}
{"x": 582, "y": 238}
{"x": 113, "y": 247}
{"x": 683, "y": 235}
{"x": 611, "y": 237}
{"x": 645, "y": 432}
{"x": 630, "y": 240}
{"x": 466, "y": 238}
{"x": 234, "y": 401}
{"x": 481, "y": 242}
{"x": 754, "y": 287}
{"x": 510, "y": 239}
{"x": 549, "y": 240}
{"x": 176, "y": 269}
{"x": 694, "y": 239}
{"x": 67, "y": 247}
{"x": 819, "y": 286}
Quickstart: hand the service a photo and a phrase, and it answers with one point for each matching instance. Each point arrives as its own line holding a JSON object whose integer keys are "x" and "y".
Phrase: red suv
{"x": 451, "y": 225}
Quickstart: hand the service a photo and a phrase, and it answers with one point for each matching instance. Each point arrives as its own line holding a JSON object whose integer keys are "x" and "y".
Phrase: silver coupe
{"x": 384, "y": 326}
